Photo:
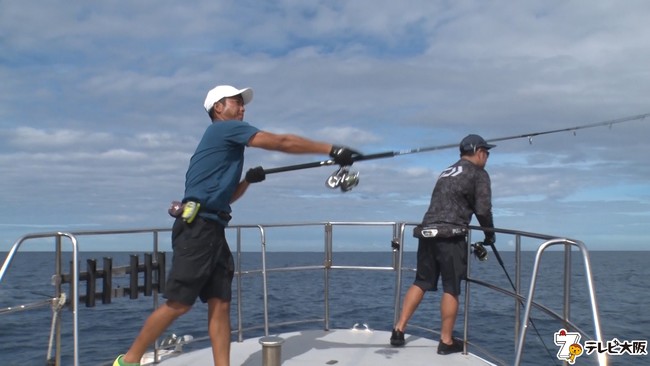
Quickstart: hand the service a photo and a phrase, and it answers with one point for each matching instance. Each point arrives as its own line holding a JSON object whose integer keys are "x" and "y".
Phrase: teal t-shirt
{"x": 216, "y": 167}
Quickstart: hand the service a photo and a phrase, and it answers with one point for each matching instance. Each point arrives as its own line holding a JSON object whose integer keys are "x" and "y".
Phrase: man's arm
{"x": 483, "y": 205}
{"x": 239, "y": 191}
{"x": 288, "y": 143}
{"x": 278, "y": 142}
{"x": 253, "y": 175}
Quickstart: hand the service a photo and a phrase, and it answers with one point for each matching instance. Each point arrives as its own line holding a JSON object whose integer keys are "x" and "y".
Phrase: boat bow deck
{"x": 341, "y": 347}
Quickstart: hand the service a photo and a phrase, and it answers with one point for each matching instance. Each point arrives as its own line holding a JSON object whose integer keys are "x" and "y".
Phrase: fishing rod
{"x": 498, "y": 257}
{"x": 346, "y": 180}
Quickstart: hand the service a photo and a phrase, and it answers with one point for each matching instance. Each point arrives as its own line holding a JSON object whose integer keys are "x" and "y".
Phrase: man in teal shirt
{"x": 202, "y": 264}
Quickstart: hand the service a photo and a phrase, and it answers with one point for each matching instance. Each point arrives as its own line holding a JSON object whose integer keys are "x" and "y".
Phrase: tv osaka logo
{"x": 570, "y": 347}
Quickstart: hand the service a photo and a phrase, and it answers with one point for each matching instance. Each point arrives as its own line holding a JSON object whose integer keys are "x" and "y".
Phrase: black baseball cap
{"x": 471, "y": 143}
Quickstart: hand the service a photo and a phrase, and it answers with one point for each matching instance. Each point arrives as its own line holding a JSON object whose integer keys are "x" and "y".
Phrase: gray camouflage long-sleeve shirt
{"x": 462, "y": 189}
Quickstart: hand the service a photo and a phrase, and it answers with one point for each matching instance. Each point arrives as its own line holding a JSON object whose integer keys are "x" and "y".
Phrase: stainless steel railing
{"x": 397, "y": 240}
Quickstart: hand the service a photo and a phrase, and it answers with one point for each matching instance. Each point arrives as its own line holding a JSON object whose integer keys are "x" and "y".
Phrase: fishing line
{"x": 498, "y": 257}
{"x": 390, "y": 154}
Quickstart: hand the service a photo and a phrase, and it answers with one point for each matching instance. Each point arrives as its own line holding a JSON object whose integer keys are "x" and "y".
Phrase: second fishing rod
{"x": 345, "y": 178}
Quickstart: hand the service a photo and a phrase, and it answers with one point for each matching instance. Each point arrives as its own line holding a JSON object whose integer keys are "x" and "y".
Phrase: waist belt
{"x": 438, "y": 231}
{"x": 220, "y": 214}
{"x": 189, "y": 210}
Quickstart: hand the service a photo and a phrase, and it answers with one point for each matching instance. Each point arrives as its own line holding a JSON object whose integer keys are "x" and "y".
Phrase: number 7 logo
{"x": 569, "y": 343}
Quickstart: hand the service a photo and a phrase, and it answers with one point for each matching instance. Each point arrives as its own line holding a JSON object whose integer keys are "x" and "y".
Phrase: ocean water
{"x": 621, "y": 284}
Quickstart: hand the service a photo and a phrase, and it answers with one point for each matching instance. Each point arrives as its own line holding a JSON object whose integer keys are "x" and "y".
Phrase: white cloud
{"x": 101, "y": 106}
{"x": 29, "y": 138}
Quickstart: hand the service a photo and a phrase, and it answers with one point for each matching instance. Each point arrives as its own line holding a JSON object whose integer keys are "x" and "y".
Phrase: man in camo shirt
{"x": 462, "y": 190}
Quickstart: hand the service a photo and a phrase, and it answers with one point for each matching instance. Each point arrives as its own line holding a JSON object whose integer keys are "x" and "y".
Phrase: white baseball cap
{"x": 224, "y": 91}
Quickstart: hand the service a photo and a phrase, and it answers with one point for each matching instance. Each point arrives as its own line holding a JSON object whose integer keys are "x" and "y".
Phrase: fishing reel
{"x": 479, "y": 251}
{"x": 343, "y": 178}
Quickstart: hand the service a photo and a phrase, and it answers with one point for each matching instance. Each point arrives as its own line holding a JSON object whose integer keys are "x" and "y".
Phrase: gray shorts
{"x": 202, "y": 264}
{"x": 441, "y": 257}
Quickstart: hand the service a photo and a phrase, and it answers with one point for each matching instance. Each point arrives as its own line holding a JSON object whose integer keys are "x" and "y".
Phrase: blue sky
{"x": 101, "y": 108}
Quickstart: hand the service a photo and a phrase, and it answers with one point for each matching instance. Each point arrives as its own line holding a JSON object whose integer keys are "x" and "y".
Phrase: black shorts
{"x": 441, "y": 257}
{"x": 202, "y": 264}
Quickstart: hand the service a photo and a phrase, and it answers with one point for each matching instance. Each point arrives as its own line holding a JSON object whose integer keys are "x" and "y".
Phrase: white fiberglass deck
{"x": 336, "y": 347}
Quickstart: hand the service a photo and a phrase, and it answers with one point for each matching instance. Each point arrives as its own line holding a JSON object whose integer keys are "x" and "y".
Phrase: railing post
{"x": 240, "y": 331}
{"x": 107, "y": 280}
{"x": 602, "y": 357}
{"x": 265, "y": 288}
{"x": 517, "y": 287}
{"x": 133, "y": 276}
{"x": 398, "y": 250}
{"x": 567, "y": 282}
{"x": 326, "y": 273}
{"x": 58, "y": 291}
{"x": 468, "y": 240}
{"x": 91, "y": 279}
{"x": 148, "y": 274}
